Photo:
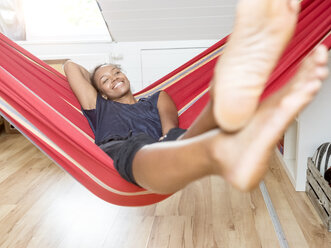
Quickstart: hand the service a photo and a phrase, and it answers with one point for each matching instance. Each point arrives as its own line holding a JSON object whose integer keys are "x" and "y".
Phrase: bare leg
{"x": 203, "y": 123}
{"x": 261, "y": 32}
{"x": 241, "y": 158}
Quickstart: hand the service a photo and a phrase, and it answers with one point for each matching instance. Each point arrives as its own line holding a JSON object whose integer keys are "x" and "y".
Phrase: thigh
{"x": 174, "y": 134}
{"x": 123, "y": 151}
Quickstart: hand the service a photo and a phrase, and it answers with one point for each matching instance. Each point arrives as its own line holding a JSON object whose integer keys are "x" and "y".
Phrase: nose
{"x": 115, "y": 79}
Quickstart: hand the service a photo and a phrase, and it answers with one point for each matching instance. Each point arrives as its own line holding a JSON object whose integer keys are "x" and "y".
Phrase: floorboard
{"x": 42, "y": 206}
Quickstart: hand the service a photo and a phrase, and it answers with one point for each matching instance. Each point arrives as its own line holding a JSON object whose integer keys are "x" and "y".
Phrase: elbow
{"x": 67, "y": 64}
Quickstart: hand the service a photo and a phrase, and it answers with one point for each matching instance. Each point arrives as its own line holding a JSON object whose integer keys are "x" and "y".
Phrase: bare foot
{"x": 245, "y": 154}
{"x": 262, "y": 30}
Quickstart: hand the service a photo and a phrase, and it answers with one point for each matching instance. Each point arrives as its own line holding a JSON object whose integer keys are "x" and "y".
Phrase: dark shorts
{"x": 123, "y": 151}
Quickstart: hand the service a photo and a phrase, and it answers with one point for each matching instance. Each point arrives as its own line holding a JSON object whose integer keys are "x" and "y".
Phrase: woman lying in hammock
{"x": 233, "y": 136}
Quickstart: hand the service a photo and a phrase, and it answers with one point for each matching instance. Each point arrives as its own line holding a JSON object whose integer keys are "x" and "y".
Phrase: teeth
{"x": 118, "y": 84}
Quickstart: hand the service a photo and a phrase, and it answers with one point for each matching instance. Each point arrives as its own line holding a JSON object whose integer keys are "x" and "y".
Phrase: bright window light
{"x": 64, "y": 20}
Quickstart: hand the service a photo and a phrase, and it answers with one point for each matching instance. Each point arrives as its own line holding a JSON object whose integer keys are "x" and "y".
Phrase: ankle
{"x": 218, "y": 150}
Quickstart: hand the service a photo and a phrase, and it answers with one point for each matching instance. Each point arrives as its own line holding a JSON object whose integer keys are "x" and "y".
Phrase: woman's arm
{"x": 80, "y": 83}
{"x": 168, "y": 112}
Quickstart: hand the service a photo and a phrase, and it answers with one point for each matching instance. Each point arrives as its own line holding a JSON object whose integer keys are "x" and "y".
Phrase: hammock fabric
{"x": 38, "y": 101}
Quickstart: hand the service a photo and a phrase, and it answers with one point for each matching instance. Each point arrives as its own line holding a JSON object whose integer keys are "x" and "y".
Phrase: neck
{"x": 127, "y": 99}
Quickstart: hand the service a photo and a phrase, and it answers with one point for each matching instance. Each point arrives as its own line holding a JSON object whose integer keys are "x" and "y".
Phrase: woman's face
{"x": 111, "y": 82}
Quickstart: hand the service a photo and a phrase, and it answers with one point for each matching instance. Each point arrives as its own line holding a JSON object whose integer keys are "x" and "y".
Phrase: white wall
{"x": 314, "y": 128}
{"x": 142, "y": 62}
{"x": 310, "y": 129}
{"x": 86, "y": 53}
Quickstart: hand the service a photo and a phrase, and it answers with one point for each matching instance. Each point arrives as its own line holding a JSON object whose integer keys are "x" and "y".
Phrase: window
{"x": 11, "y": 19}
{"x": 64, "y": 20}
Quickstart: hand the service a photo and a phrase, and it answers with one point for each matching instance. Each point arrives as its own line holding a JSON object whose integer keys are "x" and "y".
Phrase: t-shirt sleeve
{"x": 154, "y": 98}
{"x": 91, "y": 116}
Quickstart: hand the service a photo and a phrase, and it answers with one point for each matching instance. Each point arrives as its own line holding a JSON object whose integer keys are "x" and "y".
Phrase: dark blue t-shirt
{"x": 112, "y": 120}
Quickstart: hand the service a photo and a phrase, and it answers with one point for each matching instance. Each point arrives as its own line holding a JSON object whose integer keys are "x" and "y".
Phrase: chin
{"x": 119, "y": 94}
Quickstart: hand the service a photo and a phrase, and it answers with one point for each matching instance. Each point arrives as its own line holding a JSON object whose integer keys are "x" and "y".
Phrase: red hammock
{"x": 38, "y": 101}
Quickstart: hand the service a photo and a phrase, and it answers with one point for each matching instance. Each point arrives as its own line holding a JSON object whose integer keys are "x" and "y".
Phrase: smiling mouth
{"x": 119, "y": 84}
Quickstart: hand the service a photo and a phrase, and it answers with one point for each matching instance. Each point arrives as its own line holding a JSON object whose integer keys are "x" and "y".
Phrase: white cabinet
{"x": 157, "y": 63}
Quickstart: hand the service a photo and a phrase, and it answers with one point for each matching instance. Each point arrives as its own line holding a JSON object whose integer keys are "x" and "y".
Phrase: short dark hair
{"x": 93, "y": 81}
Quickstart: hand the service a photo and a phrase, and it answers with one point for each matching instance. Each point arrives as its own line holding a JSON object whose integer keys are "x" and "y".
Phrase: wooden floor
{"x": 41, "y": 206}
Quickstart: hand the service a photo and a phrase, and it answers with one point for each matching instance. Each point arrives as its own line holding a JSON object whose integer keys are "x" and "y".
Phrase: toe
{"x": 294, "y": 5}
{"x": 322, "y": 72}
{"x": 321, "y": 54}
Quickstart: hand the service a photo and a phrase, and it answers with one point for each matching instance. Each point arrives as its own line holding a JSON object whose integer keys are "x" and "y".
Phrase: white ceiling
{"x": 155, "y": 20}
